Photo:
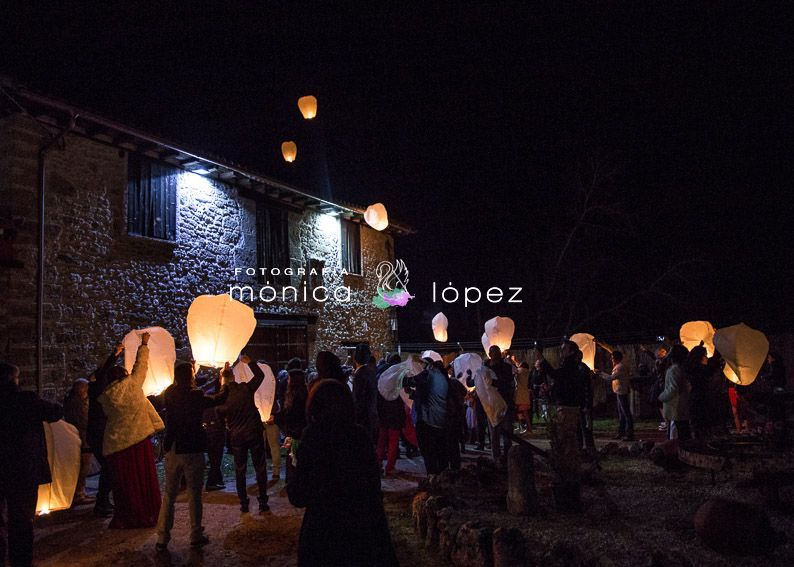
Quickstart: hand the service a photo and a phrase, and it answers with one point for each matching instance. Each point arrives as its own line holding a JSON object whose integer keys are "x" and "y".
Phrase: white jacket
{"x": 131, "y": 417}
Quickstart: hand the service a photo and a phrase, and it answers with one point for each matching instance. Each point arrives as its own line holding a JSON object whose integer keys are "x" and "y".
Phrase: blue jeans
{"x": 626, "y": 422}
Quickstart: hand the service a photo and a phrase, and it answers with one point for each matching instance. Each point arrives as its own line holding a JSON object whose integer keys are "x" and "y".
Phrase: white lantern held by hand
{"x": 265, "y": 395}
{"x": 218, "y": 328}
{"x": 744, "y": 350}
{"x": 63, "y": 456}
{"x": 499, "y": 331}
{"x": 162, "y": 356}
{"x": 695, "y": 332}
{"x": 586, "y": 344}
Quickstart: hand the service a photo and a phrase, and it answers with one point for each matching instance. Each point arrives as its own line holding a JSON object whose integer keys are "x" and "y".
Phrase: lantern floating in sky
{"x": 265, "y": 394}
{"x": 744, "y": 350}
{"x": 440, "y": 324}
{"x": 376, "y": 216}
{"x": 162, "y": 355}
{"x": 586, "y": 344}
{"x": 308, "y": 106}
{"x": 290, "y": 151}
{"x": 63, "y": 455}
{"x": 218, "y": 327}
{"x": 499, "y": 332}
{"x": 692, "y": 333}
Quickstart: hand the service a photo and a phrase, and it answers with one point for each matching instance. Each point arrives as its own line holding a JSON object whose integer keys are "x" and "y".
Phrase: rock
{"x": 522, "y": 497}
{"x": 509, "y": 548}
{"x": 635, "y": 449}
{"x": 610, "y": 448}
{"x": 730, "y": 526}
{"x": 647, "y": 446}
{"x": 665, "y": 454}
{"x": 473, "y": 546}
{"x": 564, "y": 555}
{"x": 418, "y": 513}
{"x": 433, "y": 507}
{"x": 448, "y": 526}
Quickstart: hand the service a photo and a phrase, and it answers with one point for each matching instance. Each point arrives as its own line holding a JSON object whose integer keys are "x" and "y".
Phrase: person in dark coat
{"x": 391, "y": 419}
{"x": 506, "y": 385}
{"x": 184, "y": 445}
{"x": 292, "y": 417}
{"x": 456, "y": 421}
{"x": 95, "y": 431}
{"x": 215, "y": 430}
{"x": 23, "y": 463}
{"x": 365, "y": 392}
{"x": 329, "y": 367}
{"x": 75, "y": 411}
{"x": 429, "y": 390}
{"x": 245, "y": 430}
{"x": 337, "y": 480}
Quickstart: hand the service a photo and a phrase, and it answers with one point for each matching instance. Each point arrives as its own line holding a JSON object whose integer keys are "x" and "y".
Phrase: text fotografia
{"x": 269, "y": 293}
{"x": 471, "y": 295}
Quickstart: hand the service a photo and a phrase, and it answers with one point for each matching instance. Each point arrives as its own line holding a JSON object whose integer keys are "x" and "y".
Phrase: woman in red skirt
{"x": 132, "y": 420}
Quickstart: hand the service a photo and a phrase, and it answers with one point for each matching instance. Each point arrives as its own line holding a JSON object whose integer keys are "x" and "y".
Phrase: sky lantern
{"x": 308, "y": 106}
{"x": 390, "y": 382}
{"x": 218, "y": 327}
{"x": 440, "y": 324}
{"x": 290, "y": 151}
{"x": 692, "y": 333}
{"x": 162, "y": 356}
{"x": 486, "y": 342}
{"x": 63, "y": 455}
{"x": 265, "y": 395}
{"x": 586, "y": 344}
{"x": 499, "y": 331}
{"x": 744, "y": 350}
{"x": 376, "y": 216}
{"x": 465, "y": 362}
{"x": 432, "y": 355}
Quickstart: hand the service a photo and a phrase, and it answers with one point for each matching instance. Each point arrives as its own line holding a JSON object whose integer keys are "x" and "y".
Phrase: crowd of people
{"x": 336, "y": 428}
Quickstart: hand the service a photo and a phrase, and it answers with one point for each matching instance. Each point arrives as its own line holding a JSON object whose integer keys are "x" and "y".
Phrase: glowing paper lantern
{"x": 63, "y": 455}
{"x": 290, "y": 151}
{"x": 218, "y": 327}
{"x": 265, "y": 395}
{"x": 586, "y": 344}
{"x": 744, "y": 350}
{"x": 500, "y": 332}
{"x": 376, "y": 216}
{"x": 692, "y": 333}
{"x": 390, "y": 382}
{"x": 465, "y": 362}
{"x": 486, "y": 342}
{"x": 308, "y": 106}
{"x": 432, "y": 355}
{"x": 440, "y": 324}
{"x": 162, "y": 356}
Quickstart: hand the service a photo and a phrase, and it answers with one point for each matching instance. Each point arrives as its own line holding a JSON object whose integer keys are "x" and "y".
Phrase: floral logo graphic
{"x": 392, "y": 285}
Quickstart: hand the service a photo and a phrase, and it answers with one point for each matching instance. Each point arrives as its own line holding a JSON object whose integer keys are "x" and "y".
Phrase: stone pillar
{"x": 566, "y": 458}
{"x": 522, "y": 498}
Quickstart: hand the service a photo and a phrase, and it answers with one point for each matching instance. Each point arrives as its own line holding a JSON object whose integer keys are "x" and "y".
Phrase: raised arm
{"x": 141, "y": 365}
{"x": 259, "y": 375}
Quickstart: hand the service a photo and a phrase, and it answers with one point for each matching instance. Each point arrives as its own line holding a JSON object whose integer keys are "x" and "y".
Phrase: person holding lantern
{"x": 23, "y": 463}
{"x": 185, "y": 444}
{"x": 246, "y": 433}
{"x": 292, "y": 417}
{"x": 621, "y": 386}
{"x": 505, "y": 384}
{"x": 365, "y": 392}
{"x": 131, "y": 421}
{"x": 75, "y": 411}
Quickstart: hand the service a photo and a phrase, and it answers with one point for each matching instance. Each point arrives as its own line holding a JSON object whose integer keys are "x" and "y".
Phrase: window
{"x": 272, "y": 238}
{"x": 276, "y": 341}
{"x": 151, "y": 198}
{"x": 351, "y": 247}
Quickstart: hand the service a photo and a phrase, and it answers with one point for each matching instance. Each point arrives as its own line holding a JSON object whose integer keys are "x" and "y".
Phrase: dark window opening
{"x": 276, "y": 342}
{"x": 351, "y": 247}
{"x": 151, "y": 198}
{"x": 272, "y": 240}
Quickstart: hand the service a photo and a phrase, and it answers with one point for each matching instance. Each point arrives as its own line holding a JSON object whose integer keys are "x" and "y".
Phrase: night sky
{"x": 479, "y": 126}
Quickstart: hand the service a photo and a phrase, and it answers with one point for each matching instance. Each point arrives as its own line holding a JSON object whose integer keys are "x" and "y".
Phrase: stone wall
{"x": 100, "y": 282}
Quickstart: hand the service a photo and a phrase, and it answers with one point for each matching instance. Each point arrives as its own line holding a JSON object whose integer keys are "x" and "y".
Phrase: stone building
{"x": 136, "y": 227}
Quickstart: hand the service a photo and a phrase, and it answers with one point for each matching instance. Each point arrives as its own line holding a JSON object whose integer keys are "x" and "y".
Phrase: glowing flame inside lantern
{"x": 692, "y": 333}
{"x": 376, "y": 216}
{"x": 218, "y": 327}
{"x": 440, "y": 324}
{"x": 162, "y": 355}
{"x": 290, "y": 151}
{"x": 308, "y": 106}
{"x": 63, "y": 456}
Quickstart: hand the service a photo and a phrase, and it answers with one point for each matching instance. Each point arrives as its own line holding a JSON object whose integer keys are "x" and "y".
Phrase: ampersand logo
{"x": 392, "y": 285}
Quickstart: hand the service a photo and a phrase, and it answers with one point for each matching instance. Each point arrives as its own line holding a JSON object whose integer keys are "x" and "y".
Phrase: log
{"x": 522, "y": 497}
